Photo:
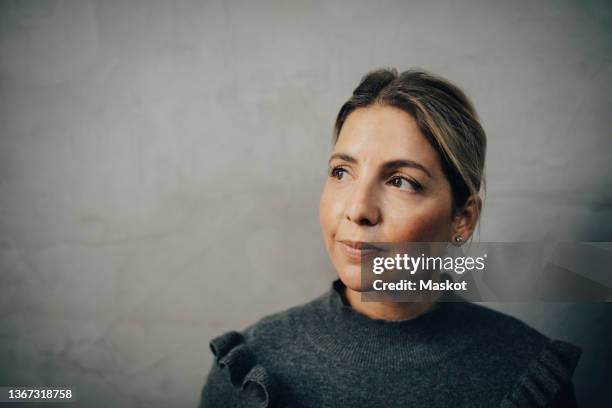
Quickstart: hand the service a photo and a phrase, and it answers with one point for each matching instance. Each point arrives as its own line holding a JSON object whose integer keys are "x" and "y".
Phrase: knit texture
{"x": 325, "y": 354}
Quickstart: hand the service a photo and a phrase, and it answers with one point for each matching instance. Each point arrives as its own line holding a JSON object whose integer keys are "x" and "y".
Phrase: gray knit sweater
{"x": 325, "y": 354}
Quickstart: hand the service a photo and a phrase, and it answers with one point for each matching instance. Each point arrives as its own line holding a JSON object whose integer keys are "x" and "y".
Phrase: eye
{"x": 337, "y": 172}
{"x": 404, "y": 182}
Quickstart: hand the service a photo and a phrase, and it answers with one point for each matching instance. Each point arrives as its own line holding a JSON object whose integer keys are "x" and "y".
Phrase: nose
{"x": 362, "y": 207}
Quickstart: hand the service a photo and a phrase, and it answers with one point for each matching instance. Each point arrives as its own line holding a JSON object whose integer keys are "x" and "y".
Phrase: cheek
{"x": 425, "y": 223}
{"x": 328, "y": 214}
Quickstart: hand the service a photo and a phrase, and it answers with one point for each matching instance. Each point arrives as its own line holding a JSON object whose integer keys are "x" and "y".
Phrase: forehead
{"x": 381, "y": 133}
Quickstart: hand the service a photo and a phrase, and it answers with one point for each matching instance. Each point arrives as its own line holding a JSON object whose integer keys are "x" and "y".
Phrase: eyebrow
{"x": 388, "y": 166}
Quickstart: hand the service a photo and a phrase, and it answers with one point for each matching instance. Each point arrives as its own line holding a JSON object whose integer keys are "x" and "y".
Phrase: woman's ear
{"x": 466, "y": 218}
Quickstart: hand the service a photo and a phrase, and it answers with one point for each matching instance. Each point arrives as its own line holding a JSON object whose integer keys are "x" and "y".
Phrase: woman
{"x": 407, "y": 166}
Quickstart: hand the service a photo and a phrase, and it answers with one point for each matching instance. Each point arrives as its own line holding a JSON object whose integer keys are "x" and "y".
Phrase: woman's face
{"x": 385, "y": 184}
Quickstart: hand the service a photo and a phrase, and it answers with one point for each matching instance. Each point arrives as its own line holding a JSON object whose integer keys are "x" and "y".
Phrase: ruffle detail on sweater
{"x": 252, "y": 380}
{"x": 545, "y": 376}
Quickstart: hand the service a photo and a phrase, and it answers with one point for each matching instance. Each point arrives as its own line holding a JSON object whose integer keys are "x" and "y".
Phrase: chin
{"x": 351, "y": 277}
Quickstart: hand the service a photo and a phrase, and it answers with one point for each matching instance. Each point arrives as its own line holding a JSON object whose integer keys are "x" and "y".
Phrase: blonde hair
{"x": 444, "y": 115}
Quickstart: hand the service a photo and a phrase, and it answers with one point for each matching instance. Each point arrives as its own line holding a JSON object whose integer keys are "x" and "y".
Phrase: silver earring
{"x": 458, "y": 239}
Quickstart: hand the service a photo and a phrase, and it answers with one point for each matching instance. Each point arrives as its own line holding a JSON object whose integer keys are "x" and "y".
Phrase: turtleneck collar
{"x": 348, "y": 335}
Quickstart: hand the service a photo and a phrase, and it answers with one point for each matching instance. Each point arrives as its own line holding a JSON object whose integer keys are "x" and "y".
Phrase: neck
{"x": 386, "y": 310}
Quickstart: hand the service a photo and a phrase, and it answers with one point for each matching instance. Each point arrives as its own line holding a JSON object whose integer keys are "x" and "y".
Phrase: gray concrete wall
{"x": 161, "y": 165}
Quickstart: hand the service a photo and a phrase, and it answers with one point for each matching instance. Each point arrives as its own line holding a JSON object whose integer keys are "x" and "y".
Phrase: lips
{"x": 359, "y": 245}
{"x": 356, "y": 249}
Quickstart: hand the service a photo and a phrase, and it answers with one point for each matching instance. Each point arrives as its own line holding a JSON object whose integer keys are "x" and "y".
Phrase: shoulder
{"x": 509, "y": 336}
{"x": 274, "y": 329}
{"x": 238, "y": 373}
{"x": 499, "y": 329}
{"x": 541, "y": 367}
